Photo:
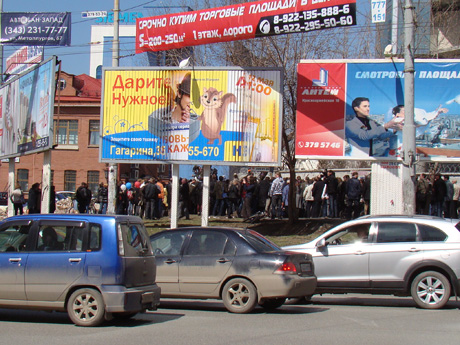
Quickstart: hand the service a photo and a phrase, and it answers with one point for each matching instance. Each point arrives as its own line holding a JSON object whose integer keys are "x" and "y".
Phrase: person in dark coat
{"x": 439, "y": 194}
{"x": 317, "y": 192}
{"x": 263, "y": 189}
{"x": 33, "y": 202}
{"x": 354, "y": 194}
{"x": 83, "y": 196}
{"x": 332, "y": 192}
{"x": 150, "y": 195}
{"x": 52, "y": 199}
{"x": 184, "y": 199}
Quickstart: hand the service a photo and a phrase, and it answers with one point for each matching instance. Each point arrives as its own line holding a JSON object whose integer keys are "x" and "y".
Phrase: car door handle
{"x": 170, "y": 261}
{"x": 360, "y": 252}
{"x": 414, "y": 250}
{"x": 223, "y": 260}
{"x": 15, "y": 260}
{"x": 74, "y": 259}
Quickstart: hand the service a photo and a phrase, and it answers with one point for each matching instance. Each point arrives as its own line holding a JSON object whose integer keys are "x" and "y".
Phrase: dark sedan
{"x": 241, "y": 267}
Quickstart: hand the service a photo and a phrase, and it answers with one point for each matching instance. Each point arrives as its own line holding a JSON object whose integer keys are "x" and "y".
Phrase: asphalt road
{"x": 330, "y": 319}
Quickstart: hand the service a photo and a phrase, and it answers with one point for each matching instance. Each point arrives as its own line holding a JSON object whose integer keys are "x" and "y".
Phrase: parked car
{"x": 64, "y": 195}
{"x": 95, "y": 267}
{"x": 415, "y": 256}
{"x": 240, "y": 267}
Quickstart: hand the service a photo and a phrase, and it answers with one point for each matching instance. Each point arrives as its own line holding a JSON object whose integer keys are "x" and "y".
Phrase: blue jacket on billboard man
{"x": 363, "y": 133}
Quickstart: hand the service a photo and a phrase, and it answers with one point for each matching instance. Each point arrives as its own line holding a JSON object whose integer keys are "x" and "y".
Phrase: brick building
{"x": 75, "y": 155}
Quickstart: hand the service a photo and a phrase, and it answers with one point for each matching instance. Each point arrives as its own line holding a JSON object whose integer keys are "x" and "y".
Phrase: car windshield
{"x": 259, "y": 242}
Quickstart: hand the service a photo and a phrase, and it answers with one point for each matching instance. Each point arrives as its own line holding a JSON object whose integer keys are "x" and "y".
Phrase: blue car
{"x": 95, "y": 267}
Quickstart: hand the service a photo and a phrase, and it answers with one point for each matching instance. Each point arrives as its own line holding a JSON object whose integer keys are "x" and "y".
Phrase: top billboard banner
{"x": 355, "y": 109}
{"x": 242, "y": 21}
{"x": 23, "y": 59}
{"x": 35, "y": 29}
{"x": 26, "y": 111}
{"x": 199, "y": 116}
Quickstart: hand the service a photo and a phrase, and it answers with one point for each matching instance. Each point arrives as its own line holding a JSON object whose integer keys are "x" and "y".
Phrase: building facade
{"x": 75, "y": 153}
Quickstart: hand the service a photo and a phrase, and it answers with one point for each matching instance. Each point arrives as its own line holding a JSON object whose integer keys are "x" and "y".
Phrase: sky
{"x": 75, "y": 59}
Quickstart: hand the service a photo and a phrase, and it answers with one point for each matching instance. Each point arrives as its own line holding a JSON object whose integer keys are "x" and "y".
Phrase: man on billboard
{"x": 180, "y": 113}
{"x": 365, "y": 136}
{"x": 176, "y": 120}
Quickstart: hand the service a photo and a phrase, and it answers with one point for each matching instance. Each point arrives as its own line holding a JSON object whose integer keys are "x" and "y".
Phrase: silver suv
{"x": 405, "y": 256}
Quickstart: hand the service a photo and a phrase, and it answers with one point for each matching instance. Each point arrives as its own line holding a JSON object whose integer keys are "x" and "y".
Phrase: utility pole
{"x": 409, "y": 150}
{"x": 113, "y": 173}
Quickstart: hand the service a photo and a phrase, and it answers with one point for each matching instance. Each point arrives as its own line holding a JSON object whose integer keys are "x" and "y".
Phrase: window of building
{"x": 23, "y": 179}
{"x": 93, "y": 181}
{"x": 70, "y": 180}
{"x": 66, "y": 132}
{"x": 94, "y": 132}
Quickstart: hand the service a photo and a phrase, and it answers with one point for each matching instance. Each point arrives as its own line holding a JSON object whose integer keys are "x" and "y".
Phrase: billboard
{"x": 26, "y": 110}
{"x": 200, "y": 116}
{"x": 22, "y": 59}
{"x": 35, "y": 29}
{"x": 241, "y": 21}
{"x": 355, "y": 109}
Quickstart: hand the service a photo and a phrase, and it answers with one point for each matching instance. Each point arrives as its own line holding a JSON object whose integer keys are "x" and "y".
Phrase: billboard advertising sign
{"x": 241, "y": 21}
{"x": 26, "y": 110}
{"x": 35, "y": 29}
{"x": 208, "y": 116}
{"x": 23, "y": 59}
{"x": 355, "y": 109}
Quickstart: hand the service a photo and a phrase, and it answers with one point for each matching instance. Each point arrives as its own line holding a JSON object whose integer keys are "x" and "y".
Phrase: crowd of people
{"x": 324, "y": 195}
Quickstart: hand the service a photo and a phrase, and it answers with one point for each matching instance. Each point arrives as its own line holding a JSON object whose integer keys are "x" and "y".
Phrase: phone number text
{"x": 23, "y": 30}
{"x": 320, "y": 144}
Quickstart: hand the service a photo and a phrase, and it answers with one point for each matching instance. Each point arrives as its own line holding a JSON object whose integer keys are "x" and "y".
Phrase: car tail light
{"x": 286, "y": 268}
{"x": 121, "y": 247}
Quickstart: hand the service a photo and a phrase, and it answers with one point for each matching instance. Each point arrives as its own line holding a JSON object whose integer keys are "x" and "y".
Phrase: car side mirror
{"x": 321, "y": 243}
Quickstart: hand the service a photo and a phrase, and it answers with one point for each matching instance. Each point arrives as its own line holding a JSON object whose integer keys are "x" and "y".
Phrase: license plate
{"x": 147, "y": 297}
{"x": 305, "y": 267}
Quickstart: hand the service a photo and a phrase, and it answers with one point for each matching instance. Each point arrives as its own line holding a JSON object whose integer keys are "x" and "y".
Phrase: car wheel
{"x": 272, "y": 303}
{"x": 86, "y": 307}
{"x": 430, "y": 290}
{"x": 239, "y": 296}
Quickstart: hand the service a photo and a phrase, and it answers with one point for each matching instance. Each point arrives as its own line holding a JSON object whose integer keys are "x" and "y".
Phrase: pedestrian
{"x": 439, "y": 195}
{"x": 52, "y": 199}
{"x": 150, "y": 194}
{"x": 103, "y": 197}
{"x": 318, "y": 195}
{"x": 308, "y": 197}
{"x": 17, "y": 198}
{"x": 354, "y": 193}
{"x": 122, "y": 202}
{"x": 33, "y": 202}
{"x": 276, "y": 194}
{"x": 83, "y": 196}
{"x": 332, "y": 191}
{"x": 184, "y": 199}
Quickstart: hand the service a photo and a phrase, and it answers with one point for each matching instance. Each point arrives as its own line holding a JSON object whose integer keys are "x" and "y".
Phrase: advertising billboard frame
{"x": 247, "y": 20}
{"x": 36, "y": 29}
{"x": 333, "y": 128}
{"x": 277, "y": 119}
{"x": 33, "y": 129}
